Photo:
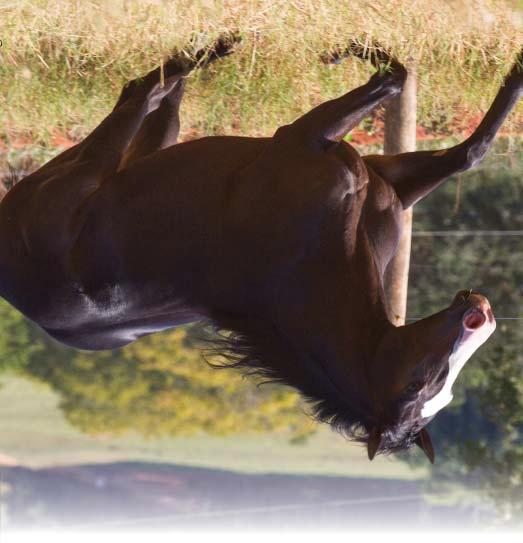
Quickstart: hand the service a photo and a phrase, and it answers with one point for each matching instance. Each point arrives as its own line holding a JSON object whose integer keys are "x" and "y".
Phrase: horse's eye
{"x": 413, "y": 388}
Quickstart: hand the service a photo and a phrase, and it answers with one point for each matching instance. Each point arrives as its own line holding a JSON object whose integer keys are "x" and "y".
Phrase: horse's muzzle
{"x": 477, "y": 309}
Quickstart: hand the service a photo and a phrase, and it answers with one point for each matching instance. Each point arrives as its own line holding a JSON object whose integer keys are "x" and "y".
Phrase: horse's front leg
{"x": 331, "y": 121}
{"x": 414, "y": 175}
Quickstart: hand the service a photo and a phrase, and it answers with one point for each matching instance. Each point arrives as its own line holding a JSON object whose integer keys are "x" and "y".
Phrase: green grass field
{"x": 69, "y": 59}
{"x": 35, "y": 434}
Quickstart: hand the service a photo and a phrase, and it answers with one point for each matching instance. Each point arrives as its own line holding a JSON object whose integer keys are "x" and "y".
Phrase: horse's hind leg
{"x": 161, "y": 127}
{"x": 105, "y": 148}
{"x": 79, "y": 170}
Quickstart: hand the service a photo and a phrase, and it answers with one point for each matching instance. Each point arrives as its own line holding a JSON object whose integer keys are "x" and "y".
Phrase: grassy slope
{"x": 34, "y": 432}
{"x": 62, "y": 62}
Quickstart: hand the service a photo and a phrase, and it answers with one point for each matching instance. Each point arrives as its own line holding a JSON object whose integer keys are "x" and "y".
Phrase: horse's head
{"x": 381, "y": 384}
{"x": 415, "y": 367}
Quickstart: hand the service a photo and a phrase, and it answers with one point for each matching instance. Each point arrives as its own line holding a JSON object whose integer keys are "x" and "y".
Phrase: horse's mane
{"x": 259, "y": 349}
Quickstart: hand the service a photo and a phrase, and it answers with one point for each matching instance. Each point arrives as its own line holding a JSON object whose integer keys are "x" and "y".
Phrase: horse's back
{"x": 46, "y": 257}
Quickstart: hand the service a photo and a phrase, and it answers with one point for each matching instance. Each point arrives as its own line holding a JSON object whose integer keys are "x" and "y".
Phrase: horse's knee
{"x": 470, "y": 155}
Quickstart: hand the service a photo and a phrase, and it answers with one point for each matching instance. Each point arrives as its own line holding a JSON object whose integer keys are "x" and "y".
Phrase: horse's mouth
{"x": 474, "y": 319}
{"x": 479, "y": 314}
{"x": 477, "y": 310}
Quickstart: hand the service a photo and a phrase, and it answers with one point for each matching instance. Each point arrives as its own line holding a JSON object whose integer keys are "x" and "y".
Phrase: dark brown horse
{"x": 281, "y": 240}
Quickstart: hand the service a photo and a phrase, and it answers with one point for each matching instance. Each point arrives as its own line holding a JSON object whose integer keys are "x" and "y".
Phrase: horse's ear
{"x": 424, "y": 442}
{"x": 373, "y": 444}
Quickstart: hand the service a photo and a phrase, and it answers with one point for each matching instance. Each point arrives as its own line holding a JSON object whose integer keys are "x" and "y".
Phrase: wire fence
{"x": 464, "y": 233}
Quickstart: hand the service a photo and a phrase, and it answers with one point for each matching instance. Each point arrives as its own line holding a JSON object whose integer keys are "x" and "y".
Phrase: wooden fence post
{"x": 400, "y": 137}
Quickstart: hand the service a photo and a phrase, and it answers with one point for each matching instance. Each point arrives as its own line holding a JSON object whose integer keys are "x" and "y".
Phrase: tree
{"x": 160, "y": 386}
{"x": 16, "y": 340}
{"x": 479, "y": 436}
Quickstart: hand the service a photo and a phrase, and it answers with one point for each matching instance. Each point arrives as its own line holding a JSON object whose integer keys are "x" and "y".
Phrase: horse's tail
{"x": 12, "y": 175}
{"x": 9, "y": 180}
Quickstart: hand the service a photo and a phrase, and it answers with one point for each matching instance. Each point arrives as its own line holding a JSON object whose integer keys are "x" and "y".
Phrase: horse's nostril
{"x": 474, "y": 320}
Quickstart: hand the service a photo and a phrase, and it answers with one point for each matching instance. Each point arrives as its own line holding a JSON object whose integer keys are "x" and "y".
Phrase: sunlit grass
{"x": 62, "y": 62}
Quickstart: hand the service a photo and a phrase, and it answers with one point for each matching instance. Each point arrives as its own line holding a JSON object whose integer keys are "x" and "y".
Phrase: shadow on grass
{"x": 135, "y": 495}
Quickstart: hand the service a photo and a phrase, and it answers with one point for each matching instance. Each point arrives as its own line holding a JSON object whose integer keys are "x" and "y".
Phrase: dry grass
{"x": 63, "y": 62}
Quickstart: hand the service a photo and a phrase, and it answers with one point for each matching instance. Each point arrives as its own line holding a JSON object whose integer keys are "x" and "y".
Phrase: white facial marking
{"x": 464, "y": 348}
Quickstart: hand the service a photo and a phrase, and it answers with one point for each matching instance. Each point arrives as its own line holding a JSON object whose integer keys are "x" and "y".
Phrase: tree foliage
{"x": 479, "y": 437}
{"x": 159, "y": 385}
{"x": 16, "y": 341}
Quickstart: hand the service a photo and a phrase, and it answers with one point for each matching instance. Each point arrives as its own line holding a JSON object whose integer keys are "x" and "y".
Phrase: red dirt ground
{"x": 462, "y": 126}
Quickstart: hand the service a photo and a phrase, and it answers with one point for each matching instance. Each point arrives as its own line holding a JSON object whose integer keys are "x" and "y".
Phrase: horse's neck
{"x": 345, "y": 311}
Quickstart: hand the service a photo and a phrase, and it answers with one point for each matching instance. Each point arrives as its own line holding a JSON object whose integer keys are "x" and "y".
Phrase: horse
{"x": 282, "y": 242}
